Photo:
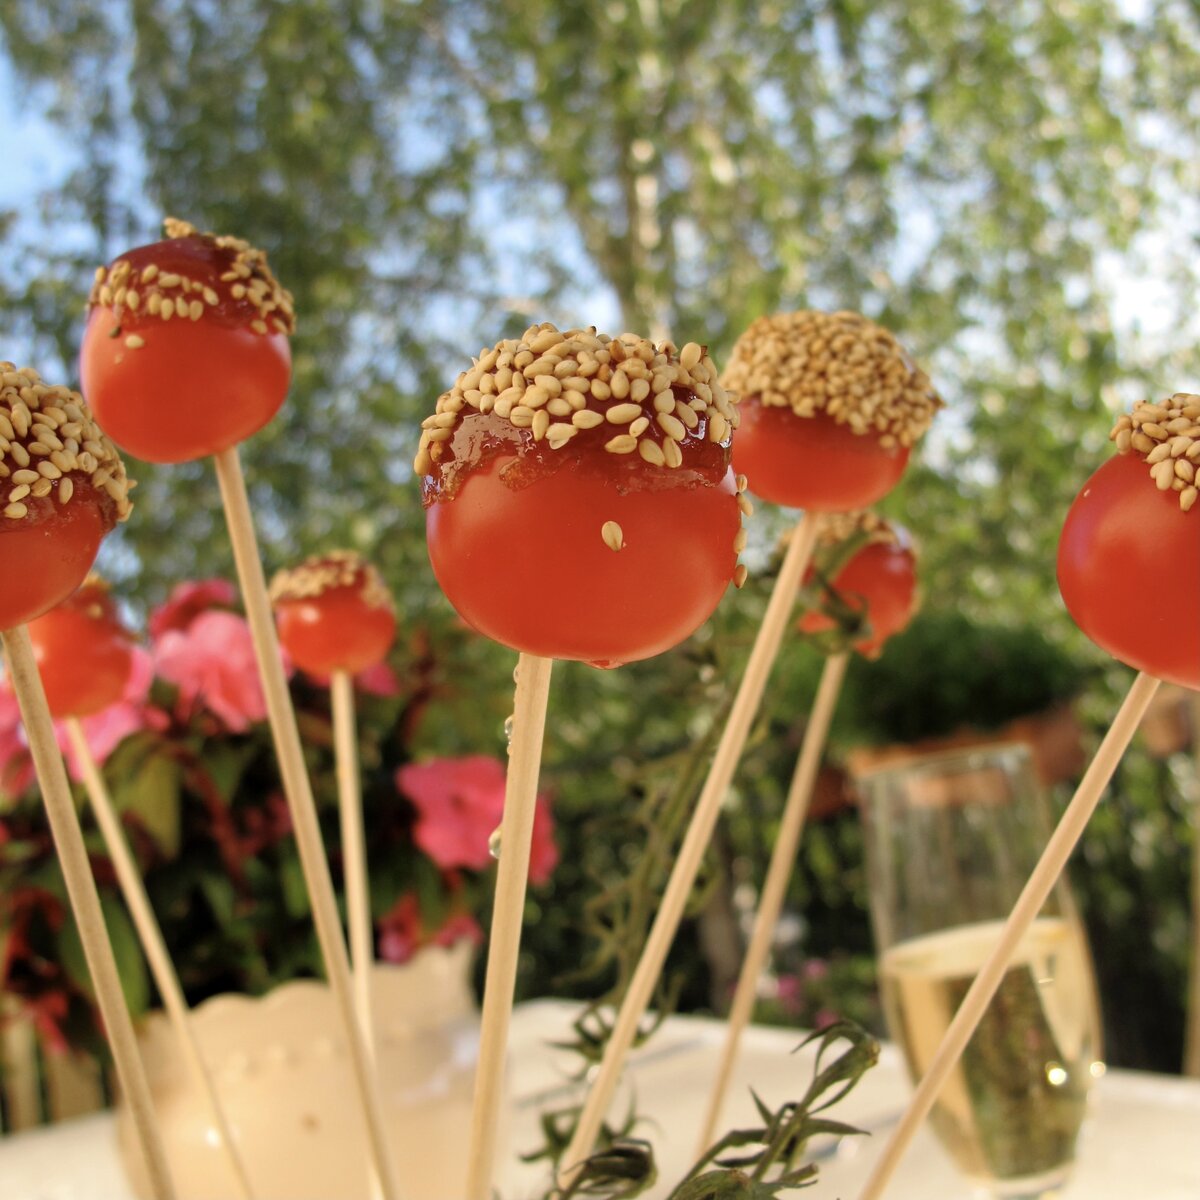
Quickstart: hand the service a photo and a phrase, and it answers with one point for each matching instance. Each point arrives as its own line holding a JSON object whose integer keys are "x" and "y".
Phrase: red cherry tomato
{"x": 529, "y": 566}
{"x": 180, "y": 389}
{"x": 1129, "y": 571}
{"x": 879, "y": 581}
{"x": 63, "y": 487}
{"x": 84, "y": 654}
{"x": 346, "y": 624}
{"x": 814, "y": 462}
{"x": 44, "y": 558}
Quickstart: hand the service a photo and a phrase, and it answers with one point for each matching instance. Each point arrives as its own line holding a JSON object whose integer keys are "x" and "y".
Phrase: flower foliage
{"x": 191, "y": 769}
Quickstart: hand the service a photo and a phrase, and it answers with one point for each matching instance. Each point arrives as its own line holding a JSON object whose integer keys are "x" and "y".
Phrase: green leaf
{"x": 295, "y": 890}
{"x": 152, "y": 795}
{"x": 126, "y": 951}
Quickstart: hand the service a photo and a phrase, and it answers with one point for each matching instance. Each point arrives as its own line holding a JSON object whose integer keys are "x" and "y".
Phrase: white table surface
{"x": 1141, "y": 1141}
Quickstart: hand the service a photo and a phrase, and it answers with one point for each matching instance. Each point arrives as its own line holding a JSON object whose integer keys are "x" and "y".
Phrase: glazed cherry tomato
{"x": 1129, "y": 571}
{"x": 880, "y": 582}
{"x": 583, "y": 543}
{"x": 83, "y": 652}
{"x": 831, "y": 403}
{"x": 59, "y": 500}
{"x": 186, "y": 347}
{"x": 814, "y": 462}
{"x": 334, "y": 613}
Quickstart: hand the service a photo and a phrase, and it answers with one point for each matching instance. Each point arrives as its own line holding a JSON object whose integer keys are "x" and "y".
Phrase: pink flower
{"x": 212, "y": 663}
{"x": 106, "y": 730}
{"x": 825, "y": 1017}
{"x": 459, "y": 802}
{"x": 402, "y": 930}
{"x": 187, "y": 601}
{"x": 379, "y": 680}
{"x": 16, "y": 766}
{"x": 789, "y": 993}
{"x": 462, "y": 926}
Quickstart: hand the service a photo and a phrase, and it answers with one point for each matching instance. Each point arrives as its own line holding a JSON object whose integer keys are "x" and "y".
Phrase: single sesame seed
{"x": 613, "y": 536}
{"x": 740, "y": 575}
{"x": 622, "y": 414}
{"x": 621, "y": 444}
{"x": 672, "y": 426}
{"x": 1163, "y": 473}
{"x": 652, "y": 452}
{"x": 135, "y": 342}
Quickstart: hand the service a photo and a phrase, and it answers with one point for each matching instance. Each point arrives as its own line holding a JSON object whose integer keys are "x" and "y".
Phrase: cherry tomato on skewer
{"x": 334, "y": 613}
{"x": 580, "y": 501}
{"x": 1129, "y": 555}
{"x": 875, "y": 588}
{"x": 186, "y": 348}
{"x": 831, "y": 407}
{"x": 84, "y": 653}
{"x": 64, "y": 488}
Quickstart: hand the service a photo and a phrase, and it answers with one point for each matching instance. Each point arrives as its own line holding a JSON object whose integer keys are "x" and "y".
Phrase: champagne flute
{"x": 951, "y": 840}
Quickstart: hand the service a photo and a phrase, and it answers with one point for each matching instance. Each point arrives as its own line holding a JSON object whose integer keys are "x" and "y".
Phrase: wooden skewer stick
{"x": 85, "y": 904}
{"x": 153, "y": 946}
{"x": 354, "y": 849}
{"x": 1029, "y": 903}
{"x": 504, "y": 941}
{"x": 1191, "y": 1040}
{"x": 354, "y": 865}
{"x": 695, "y": 842}
{"x": 779, "y": 873}
{"x": 298, "y": 790}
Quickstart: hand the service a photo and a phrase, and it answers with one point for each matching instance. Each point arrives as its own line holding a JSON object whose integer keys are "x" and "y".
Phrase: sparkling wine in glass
{"x": 951, "y": 841}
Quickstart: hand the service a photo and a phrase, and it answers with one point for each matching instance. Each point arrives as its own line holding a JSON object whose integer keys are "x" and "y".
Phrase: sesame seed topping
{"x": 837, "y": 528}
{"x": 173, "y": 293}
{"x": 841, "y": 364}
{"x": 35, "y": 458}
{"x": 549, "y": 376}
{"x": 613, "y": 536}
{"x": 321, "y": 573}
{"x": 740, "y": 575}
{"x": 1167, "y": 437}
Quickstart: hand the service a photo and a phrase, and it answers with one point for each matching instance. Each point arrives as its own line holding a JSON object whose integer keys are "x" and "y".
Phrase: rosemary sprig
{"x": 760, "y": 1162}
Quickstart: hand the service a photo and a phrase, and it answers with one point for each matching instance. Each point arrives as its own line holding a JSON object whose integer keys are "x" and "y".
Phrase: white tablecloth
{"x": 1141, "y": 1142}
